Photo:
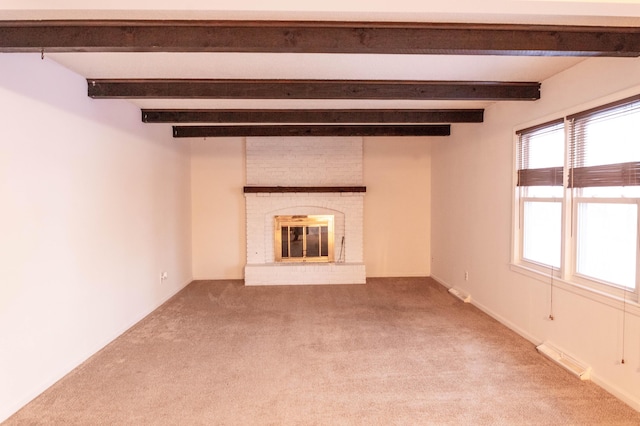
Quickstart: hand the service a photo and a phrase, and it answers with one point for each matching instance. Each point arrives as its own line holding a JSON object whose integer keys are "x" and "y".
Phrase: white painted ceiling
{"x": 324, "y": 66}
{"x": 595, "y": 12}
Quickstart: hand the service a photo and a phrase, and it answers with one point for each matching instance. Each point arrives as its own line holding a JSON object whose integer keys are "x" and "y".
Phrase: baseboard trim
{"x": 631, "y": 400}
{"x": 77, "y": 361}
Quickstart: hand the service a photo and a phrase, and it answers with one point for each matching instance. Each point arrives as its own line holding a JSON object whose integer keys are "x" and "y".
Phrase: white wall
{"x": 471, "y": 211}
{"x": 397, "y": 207}
{"x": 218, "y": 210}
{"x": 94, "y": 206}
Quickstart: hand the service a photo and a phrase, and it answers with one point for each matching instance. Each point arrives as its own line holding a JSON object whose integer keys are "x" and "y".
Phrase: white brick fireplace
{"x": 304, "y": 176}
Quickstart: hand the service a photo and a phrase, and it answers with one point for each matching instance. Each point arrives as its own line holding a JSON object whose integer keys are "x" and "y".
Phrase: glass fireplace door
{"x": 304, "y": 238}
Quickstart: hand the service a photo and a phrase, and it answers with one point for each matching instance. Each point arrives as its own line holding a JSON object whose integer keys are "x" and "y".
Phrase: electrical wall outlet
{"x": 466, "y": 275}
{"x": 164, "y": 276}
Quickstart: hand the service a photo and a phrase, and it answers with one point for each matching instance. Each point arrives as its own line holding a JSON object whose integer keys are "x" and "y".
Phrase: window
{"x": 604, "y": 178}
{"x": 540, "y": 185}
{"x": 582, "y": 223}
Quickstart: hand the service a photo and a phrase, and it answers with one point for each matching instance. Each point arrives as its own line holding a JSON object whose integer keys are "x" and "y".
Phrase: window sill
{"x": 617, "y": 302}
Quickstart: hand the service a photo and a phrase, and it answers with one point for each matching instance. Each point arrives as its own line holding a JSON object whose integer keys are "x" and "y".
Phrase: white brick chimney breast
{"x": 304, "y": 162}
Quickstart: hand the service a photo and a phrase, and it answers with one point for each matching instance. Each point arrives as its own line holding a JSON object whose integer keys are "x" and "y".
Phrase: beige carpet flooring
{"x": 395, "y": 351}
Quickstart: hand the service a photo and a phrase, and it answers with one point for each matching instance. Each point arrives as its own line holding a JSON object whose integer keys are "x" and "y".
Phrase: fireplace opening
{"x": 304, "y": 238}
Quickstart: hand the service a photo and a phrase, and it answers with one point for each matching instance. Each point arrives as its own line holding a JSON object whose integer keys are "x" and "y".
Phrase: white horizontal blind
{"x": 605, "y": 146}
{"x": 540, "y": 155}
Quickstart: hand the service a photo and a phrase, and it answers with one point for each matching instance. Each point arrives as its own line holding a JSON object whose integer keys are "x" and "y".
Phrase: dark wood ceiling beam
{"x": 311, "y": 130}
{"x": 313, "y": 89}
{"x": 327, "y": 116}
{"x": 317, "y": 37}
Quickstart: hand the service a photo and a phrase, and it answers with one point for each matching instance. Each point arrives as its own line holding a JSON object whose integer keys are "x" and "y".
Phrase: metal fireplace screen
{"x": 304, "y": 238}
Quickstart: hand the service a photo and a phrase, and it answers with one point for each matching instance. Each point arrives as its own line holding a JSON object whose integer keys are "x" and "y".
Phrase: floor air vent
{"x": 466, "y": 298}
{"x": 574, "y": 367}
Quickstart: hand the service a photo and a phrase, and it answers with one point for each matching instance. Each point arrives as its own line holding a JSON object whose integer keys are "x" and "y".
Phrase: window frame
{"x": 522, "y": 199}
{"x": 598, "y": 284}
{"x": 554, "y": 270}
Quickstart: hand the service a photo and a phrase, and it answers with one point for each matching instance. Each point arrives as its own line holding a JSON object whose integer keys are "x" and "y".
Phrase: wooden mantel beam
{"x": 311, "y": 130}
{"x": 312, "y": 89}
{"x": 326, "y": 116}
{"x": 317, "y": 37}
{"x": 307, "y": 189}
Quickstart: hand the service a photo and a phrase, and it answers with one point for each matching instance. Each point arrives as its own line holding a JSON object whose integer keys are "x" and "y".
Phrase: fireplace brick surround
{"x": 304, "y": 162}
